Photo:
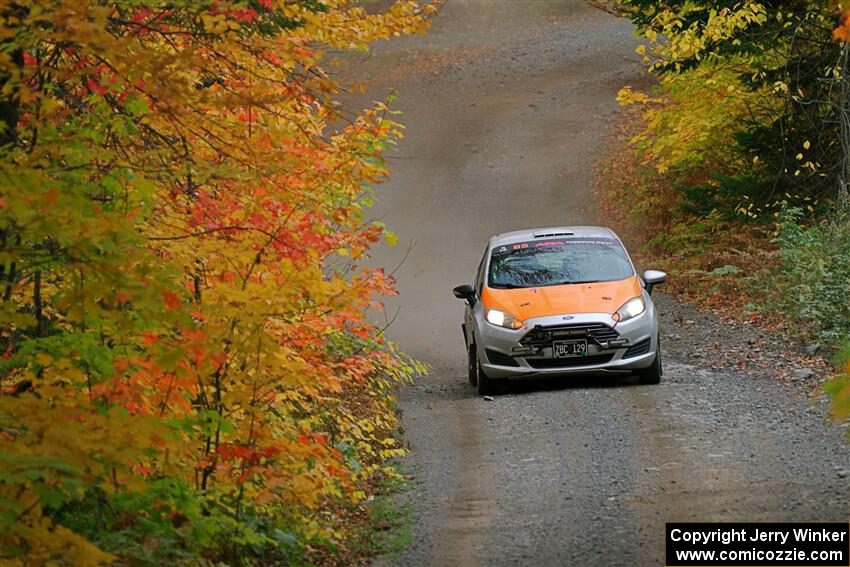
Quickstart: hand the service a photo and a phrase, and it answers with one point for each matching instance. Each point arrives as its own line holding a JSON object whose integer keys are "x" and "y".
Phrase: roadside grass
{"x": 385, "y": 522}
{"x": 378, "y": 527}
{"x": 389, "y": 527}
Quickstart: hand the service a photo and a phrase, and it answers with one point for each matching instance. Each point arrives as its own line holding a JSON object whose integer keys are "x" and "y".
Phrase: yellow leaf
{"x": 43, "y": 359}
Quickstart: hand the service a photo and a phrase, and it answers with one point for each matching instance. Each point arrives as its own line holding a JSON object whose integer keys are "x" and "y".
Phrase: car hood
{"x": 532, "y": 302}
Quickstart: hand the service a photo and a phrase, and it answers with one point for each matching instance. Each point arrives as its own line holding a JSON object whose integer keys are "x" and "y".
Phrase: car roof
{"x": 553, "y": 232}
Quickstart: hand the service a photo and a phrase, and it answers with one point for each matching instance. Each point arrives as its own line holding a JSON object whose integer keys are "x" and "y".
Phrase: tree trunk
{"x": 844, "y": 118}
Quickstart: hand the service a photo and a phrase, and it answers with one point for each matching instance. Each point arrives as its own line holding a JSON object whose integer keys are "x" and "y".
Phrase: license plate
{"x": 569, "y": 349}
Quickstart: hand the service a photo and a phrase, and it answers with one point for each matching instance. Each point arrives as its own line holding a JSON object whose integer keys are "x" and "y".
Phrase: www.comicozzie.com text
{"x": 726, "y": 536}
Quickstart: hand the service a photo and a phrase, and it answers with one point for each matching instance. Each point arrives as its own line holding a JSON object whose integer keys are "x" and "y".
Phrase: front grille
{"x": 541, "y": 337}
{"x": 500, "y": 359}
{"x": 638, "y": 349}
{"x": 542, "y": 363}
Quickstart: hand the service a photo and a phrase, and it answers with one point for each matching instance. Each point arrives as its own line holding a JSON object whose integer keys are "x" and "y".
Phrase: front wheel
{"x": 652, "y": 375}
{"x": 477, "y": 376}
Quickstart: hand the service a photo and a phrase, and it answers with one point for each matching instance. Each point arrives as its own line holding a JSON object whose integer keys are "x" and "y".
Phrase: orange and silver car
{"x": 559, "y": 301}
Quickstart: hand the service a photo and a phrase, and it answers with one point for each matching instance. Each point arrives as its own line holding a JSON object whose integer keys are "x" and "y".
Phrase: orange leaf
{"x": 842, "y": 32}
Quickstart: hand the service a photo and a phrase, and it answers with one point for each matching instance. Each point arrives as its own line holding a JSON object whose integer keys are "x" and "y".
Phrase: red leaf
{"x": 95, "y": 86}
{"x": 171, "y": 301}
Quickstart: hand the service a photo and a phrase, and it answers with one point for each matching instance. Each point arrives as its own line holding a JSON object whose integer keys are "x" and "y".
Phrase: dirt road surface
{"x": 507, "y": 105}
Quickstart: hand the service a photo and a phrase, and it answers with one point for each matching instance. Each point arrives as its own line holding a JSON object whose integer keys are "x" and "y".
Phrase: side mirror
{"x": 466, "y": 292}
{"x": 652, "y": 278}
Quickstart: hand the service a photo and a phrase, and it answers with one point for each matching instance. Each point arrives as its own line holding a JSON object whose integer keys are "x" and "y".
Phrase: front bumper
{"x": 634, "y": 347}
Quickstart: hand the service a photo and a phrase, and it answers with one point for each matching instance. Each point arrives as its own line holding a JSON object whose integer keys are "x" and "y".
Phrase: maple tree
{"x": 187, "y": 365}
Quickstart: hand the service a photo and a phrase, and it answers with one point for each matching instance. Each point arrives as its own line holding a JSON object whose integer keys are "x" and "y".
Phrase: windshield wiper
{"x": 515, "y": 286}
{"x": 576, "y": 282}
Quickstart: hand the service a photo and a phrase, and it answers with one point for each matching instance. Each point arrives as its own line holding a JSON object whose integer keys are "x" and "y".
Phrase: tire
{"x": 477, "y": 378}
{"x": 486, "y": 385}
{"x": 652, "y": 375}
{"x": 472, "y": 365}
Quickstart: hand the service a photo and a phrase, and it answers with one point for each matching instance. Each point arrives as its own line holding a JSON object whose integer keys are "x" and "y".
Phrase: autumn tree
{"x": 758, "y": 83}
{"x": 187, "y": 365}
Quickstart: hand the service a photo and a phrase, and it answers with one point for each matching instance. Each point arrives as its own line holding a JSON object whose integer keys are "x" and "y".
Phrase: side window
{"x": 479, "y": 277}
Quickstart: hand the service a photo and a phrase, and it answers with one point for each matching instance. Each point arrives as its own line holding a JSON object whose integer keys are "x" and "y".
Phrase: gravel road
{"x": 507, "y": 104}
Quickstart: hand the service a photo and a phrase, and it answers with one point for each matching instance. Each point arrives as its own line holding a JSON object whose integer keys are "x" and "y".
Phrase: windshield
{"x": 558, "y": 262}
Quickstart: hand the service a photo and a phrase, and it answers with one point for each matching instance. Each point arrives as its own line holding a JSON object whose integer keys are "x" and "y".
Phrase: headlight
{"x": 502, "y": 319}
{"x": 632, "y": 308}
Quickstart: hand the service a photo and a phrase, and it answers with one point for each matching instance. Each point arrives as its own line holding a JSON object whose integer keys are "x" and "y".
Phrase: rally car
{"x": 559, "y": 301}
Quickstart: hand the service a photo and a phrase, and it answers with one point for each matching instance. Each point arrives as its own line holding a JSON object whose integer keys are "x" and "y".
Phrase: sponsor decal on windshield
{"x": 537, "y": 244}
